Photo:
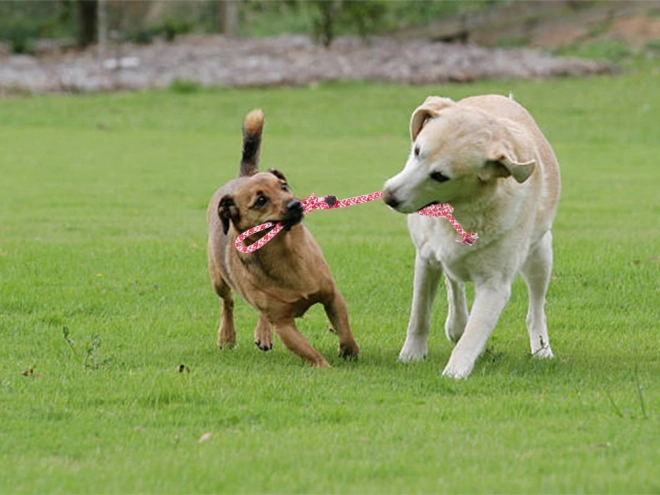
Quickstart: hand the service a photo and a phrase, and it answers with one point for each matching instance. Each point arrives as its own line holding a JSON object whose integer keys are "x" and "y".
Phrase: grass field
{"x": 110, "y": 380}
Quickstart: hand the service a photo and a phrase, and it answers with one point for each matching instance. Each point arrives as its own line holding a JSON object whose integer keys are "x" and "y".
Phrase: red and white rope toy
{"x": 331, "y": 202}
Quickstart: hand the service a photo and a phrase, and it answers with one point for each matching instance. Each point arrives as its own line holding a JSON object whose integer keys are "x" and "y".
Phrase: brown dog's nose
{"x": 294, "y": 214}
{"x": 391, "y": 200}
{"x": 294, "y": 205}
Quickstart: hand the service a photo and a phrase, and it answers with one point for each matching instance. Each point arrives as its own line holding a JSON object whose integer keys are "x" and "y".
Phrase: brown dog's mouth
{"x": 291, "y": 223}
{"x": 294, "y": 214}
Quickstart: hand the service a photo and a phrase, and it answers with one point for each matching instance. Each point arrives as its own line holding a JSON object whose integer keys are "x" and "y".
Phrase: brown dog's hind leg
{"x": 263, "y": 334}
{"x": 227, "y": 330}
{"x": 295, "y": 342}
{"x": 335, "y": 308}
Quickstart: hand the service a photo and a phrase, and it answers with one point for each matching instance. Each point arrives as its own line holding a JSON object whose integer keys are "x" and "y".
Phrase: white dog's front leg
{"x": 457, "y": 314}
{"x": 425, "y": 287}
{"x": 489, "y": 300}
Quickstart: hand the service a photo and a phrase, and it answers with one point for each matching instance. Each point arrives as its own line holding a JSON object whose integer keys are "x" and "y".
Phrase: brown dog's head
{"x": 264, "y": 197}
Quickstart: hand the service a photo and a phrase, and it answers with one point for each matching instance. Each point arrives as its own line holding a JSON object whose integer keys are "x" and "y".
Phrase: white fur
{"x": 511, "y": 211}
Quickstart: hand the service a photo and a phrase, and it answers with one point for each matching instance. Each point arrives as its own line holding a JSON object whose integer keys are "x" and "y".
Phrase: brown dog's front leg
{"x": 263, "y": 334}
{"x": 295, "y": 342}
{"x": 227, "y": 330}
{"x": 337, "y": 313}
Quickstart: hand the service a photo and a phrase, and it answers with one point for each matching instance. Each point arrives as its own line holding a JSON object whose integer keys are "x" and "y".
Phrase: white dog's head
{"x": 458, "y": 153}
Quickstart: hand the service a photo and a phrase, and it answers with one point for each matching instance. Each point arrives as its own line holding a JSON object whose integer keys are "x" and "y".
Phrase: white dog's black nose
{"x": 390, "y": 199}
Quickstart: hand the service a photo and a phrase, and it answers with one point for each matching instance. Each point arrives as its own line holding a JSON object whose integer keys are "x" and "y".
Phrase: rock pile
{"x": 285, "y": 60}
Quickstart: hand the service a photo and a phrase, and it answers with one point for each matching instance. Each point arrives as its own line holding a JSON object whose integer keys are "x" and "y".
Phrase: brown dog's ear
{"x": 228, "y": 212}
{"x": 427, "y": 110}
{"x": 506, "y": 150}
{"x": 277, "y": 174}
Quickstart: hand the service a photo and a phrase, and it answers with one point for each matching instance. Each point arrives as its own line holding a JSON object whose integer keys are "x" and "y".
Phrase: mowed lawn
{"x": 110, "y": 379}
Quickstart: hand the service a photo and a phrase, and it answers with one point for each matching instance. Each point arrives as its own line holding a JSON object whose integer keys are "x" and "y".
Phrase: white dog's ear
{"x": 507, "y": 148}
{"x": 427, "y": 110}
{"x": 505, "y": 167}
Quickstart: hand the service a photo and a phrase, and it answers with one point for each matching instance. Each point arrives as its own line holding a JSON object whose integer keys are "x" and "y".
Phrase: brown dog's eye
{"x": 261, "y": 201}
{"x": 285, "y": 187}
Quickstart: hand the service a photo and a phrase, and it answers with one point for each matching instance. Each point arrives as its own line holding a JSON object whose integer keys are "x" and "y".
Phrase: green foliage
{"x": 169, "y": 30}
{"x": 606, "y": 50}
{"x": 653, "y": 14}
{"x": 363, "y": 17}
{"x": 173, "y": 28}
{"x": 22, "y": 23}
{"x": 327, "y": 19}
{"x": 185, "y": 86}
{"x": 21, "y": 37}
{"x": 140, "y": 36}
{"x": 110, "y": 381}
{"x": 653, "y": 47}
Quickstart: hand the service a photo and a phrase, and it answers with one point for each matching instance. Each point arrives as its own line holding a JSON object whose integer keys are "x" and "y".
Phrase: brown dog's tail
{"x": 253, "y": 126}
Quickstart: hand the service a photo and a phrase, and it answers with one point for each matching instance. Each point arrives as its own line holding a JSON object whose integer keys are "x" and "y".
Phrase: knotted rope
{"x": 330, "y": 202}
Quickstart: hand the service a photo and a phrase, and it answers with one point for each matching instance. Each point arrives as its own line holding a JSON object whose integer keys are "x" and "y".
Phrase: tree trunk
{"x": 102, "y": 28}
{"x": 87, "y": 17}
{"x": 228, "y": 17}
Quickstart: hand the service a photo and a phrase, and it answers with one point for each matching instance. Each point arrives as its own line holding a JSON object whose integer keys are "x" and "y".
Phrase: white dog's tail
{"x": 253, "y": 126}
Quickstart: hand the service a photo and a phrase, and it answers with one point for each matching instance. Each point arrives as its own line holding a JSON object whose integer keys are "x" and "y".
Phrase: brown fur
{"x": 283, "y": 278}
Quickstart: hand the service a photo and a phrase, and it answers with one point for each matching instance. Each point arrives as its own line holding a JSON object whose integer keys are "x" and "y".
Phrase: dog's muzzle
{"x": 391, "y": 200}
{"x": 294, "y": 214}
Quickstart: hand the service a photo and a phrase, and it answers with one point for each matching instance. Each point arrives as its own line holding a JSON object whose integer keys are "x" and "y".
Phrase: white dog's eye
{"x": 416, "y": 150}
{"x": 439, "y": 177}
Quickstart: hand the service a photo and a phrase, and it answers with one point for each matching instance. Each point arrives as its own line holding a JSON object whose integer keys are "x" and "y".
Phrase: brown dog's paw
{"x": 320, "y": 363}
{"x": 266, "y": 346}
{"x": 349, "y": 351}
{"x": 226, "y": 336}
{"x": 226, "y": 344}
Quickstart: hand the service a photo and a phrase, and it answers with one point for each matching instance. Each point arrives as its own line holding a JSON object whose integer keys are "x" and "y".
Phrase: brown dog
{"x": 283, "y": 278}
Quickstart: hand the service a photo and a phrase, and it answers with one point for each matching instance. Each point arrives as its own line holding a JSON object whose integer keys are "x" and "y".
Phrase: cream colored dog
{"x": 487, "y": 157}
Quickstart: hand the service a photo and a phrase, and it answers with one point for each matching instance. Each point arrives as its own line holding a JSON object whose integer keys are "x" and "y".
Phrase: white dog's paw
{"x": 412, "y": 352}
{"x": 458, "y": 368}
{"x": 543, "y": 353}
{"x": 454, "y": 330}
{"x": 455, "y": 325}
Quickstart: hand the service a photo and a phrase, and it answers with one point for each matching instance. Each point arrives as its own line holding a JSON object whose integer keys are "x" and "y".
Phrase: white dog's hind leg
{"x": 425, "y": 287}
{"x": 457, "y": 314}
{"x": 537, "y": 271}
{"x": 489, "y": 301}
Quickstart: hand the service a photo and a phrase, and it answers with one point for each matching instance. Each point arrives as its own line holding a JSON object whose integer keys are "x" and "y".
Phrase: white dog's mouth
{"x": 403, "y": 206}
{"x": 430, "y": 204}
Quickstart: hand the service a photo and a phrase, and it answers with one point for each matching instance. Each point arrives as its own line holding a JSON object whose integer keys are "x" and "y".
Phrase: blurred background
{"x": 83, "y": 22}
{"x": 33, "y": 27}
{"x": 106, "y": 45}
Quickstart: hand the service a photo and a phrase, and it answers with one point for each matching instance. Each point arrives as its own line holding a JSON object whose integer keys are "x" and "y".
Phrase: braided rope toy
{"x": 330, "y": 202}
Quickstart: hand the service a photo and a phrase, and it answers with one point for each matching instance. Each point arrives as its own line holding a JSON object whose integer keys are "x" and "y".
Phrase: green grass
{"x": 109, "y": 374}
